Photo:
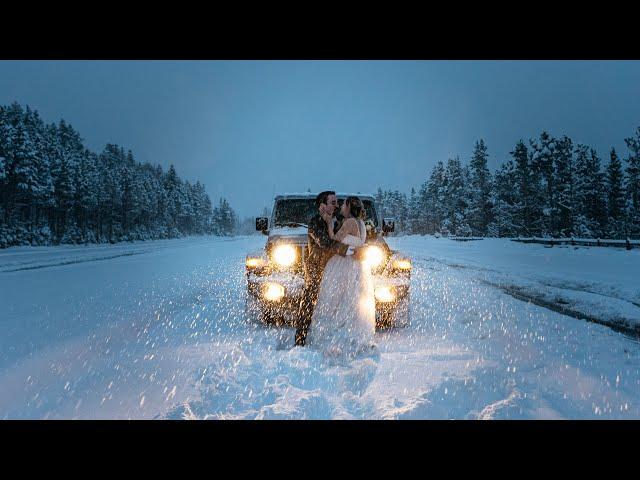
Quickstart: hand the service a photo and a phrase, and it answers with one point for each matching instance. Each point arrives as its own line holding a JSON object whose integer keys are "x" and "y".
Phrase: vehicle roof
{"x": 314, "y": 195}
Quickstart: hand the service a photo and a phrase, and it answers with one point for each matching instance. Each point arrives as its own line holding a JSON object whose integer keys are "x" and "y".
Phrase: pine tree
{"x": 542, "y": 164}
{"x": 431, "y": 201}
{"x": 456, "y": 206}
{"x": 479, "y": 190}
{"x": 52, "y": 189}
{"x": 615, "y": 196}
{"x": 224, "y": 218}
{"x": 562, "y": 213}
{"x": 527, "y": 209}
{"x": 174, "y": 200}
{"x": 504, "y": 223}
{"x": 111, "y": 192}
{"x": 590, "y": 194}
{"x": 632, "y": 186}
{"x": 413, "y": 211}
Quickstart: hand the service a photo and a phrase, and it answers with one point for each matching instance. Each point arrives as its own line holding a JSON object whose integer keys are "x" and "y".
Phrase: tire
{"x": 402, "y": 314}
{"x": 266, "y": 317}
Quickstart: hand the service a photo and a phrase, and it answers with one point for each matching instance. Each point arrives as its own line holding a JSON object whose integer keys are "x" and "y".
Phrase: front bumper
{"x": 286, "y": 308}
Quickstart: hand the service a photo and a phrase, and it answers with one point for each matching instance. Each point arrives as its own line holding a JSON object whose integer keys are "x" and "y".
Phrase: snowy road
{"x": 155, "y": 330}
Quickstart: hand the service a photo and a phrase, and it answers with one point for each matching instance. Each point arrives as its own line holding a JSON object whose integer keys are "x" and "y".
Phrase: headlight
{"x": 284, "y": 255}
{"x": 254, "y": 262}
{"x": 403, "y": 264}
{"x": 385, "y": 294}
{"x": 373, "y": 256}
{"x": 273, "y": 291}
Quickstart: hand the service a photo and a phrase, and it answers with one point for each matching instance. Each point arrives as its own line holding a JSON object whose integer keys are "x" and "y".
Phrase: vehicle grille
{"x": 303, "y": 253}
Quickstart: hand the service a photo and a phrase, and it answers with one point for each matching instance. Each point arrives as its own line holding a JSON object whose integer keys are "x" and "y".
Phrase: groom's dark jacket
{"x": 320, "y": 249}
{"x": 320, "y": 246}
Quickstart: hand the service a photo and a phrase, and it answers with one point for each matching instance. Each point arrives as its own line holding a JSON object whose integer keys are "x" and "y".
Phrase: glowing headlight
{"x": 373, "y": 256}
{"x": 284, "y": 255}
{"x": 402, "y": 264}
{"x": 273, "y": 291}
{"x": 385, "y": 294}
{"x": 253, "y": 262}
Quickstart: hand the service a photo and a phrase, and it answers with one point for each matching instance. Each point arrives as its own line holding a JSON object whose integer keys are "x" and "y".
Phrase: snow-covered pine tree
{"x": 504, "y": 193}
{"x": 208, "y": 211}
{"x": 589, "y": 203}
{"x": 431, "y": 201}
{"x": 379, "y": 198}
{"x": 563, "y": 189}
{"x": 615, "y": 196}
{"x": 412, "y": 212}
{"x": 147, "y": 200}
{"x": 111, "y": 192}
{"x": 65, "y": 170}
{"x": 23, "y": 181}
{"x": 128, "y": 192}
{"x": 393, "y": 204}
{"x": 456, "y": 204}
{"x": 3, "y": 160}
{"x": 225, "y": 218}
{"x": 50, "y": 182}
{"x": 527, "y": 209}
{"x": 3, "y": 167}
{"x": 542, "y": 164}
{"x": 632, "y": 186}
{"x": 42, "y": 197}
{"x": 479, "y": 190}
{"x": 85, "y": 199}
{"x": 399, "y": 210}
{"x": 174, "y": 199}
{"x": 421, "y": 216}
{"x": 187, "y": 215}
{"x": 599, "y": 199}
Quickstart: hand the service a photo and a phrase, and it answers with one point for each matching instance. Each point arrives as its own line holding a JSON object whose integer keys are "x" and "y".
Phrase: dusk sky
{"x": 249, "y": 129}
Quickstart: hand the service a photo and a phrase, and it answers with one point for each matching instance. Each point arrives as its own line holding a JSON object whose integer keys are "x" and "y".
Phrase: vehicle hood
{"x": 296, "y": 235}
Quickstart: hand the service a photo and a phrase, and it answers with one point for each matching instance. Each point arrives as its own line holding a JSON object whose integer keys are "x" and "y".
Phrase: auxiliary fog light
{"x": 254, "y": 262}
{"x": 402, "y": 264}
{"x": 385, "y": 294}
{"x": 273, "y": 291}
{"x": 284, "y": 255}
{"x": 373, "y": 256}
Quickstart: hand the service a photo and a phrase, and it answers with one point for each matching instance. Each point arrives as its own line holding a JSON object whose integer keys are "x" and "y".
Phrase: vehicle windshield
{"x": 293, "y": 211}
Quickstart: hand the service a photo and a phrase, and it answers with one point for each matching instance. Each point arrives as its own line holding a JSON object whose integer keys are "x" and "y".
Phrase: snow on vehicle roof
{"x": 314, "y": 195}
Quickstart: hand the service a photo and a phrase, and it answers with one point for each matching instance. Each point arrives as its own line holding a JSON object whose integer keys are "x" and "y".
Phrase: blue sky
{"x": 248, "y": 129}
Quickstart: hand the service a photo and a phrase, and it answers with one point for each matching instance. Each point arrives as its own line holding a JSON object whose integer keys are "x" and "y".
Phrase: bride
{"x": 343, "y": 321}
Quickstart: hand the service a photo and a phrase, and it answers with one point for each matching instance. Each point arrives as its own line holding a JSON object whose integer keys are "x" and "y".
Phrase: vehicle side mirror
{"x": 262, "y": 224}
{"x": 388, "y": 225}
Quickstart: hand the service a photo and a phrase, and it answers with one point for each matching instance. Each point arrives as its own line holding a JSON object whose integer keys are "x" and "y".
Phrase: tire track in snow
{"x": 619, "y": 325}
{"x": 75, "y": 261}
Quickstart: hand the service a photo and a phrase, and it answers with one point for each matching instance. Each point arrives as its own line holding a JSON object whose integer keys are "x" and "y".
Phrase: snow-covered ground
{"x": 156, "y": 330}
{"x": 601, "y": 284}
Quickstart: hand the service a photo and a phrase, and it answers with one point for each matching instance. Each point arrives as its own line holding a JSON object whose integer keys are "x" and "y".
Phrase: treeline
{"x": 546, "y": 188}
{"x": 54, "y": 190}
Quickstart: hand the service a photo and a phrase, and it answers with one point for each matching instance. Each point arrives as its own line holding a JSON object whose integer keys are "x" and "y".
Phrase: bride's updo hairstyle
{"x": 356, "y": 207}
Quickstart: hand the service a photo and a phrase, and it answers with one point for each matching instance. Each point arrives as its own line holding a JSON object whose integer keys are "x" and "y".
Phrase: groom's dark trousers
{"x": 320, "y": 249}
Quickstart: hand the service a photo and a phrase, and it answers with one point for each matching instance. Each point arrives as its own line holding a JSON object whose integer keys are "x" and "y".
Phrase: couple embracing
{"x": 337, "y": 311}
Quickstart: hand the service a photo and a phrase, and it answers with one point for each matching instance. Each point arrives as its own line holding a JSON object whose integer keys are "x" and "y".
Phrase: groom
{"x": 320, "y": 249}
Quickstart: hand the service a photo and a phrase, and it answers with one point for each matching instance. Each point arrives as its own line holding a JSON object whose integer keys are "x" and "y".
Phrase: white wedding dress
{"x": 344, "y": 318}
